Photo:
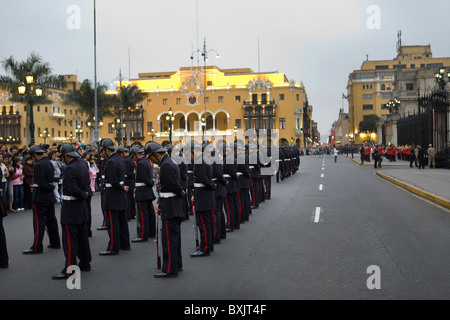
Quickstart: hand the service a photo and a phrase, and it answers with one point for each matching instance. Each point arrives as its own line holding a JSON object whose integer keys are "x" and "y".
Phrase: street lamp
{"x": 204, "y": 54}
{"x": 170, "y": 119}
{"x": 31, "y": 95}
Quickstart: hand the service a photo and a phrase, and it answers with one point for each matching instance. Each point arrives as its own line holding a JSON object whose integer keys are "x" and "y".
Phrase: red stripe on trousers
{"x": 168, "y": 246}
{"x": 69, "y": 262}
{"x": 204, "y": 232}
{"x": 111, "y": 231}
{"x": 37, "y": 227}
{"x": 228, "y": 213}
{"x": 142, "y": 219}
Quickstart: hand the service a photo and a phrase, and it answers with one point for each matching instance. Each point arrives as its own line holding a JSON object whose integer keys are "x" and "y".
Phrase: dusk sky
{"x": 318, "y": 43}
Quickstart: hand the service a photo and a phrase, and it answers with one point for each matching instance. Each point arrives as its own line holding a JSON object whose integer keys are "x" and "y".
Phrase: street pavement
{"x": 332, "y": 231}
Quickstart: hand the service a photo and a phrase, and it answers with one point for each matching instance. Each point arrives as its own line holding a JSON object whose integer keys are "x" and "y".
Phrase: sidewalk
{"x": 431, "y": 184}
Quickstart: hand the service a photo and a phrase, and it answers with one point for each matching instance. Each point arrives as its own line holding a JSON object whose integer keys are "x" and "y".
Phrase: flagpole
{"x": 96, "y": 136}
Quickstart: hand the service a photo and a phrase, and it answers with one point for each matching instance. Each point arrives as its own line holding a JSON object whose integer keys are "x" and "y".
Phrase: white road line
{"x": 317, "y": 215}
{"x": 323, "y": 168}
{"x": 320, "y": 187}
{"x": 322, "y": 175}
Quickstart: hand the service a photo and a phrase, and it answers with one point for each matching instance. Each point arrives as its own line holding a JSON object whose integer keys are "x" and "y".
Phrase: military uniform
{"x": 204, "y": 204}
{"x": 115, "y": 205}
{"x": 231, "y": 201}
{"x": 129, "y": 181}
{"x": 144, "y": 197}
{"x": 220, "y": 193}
{"x": 170, "y": 202}
{"x": 255, "y": 177}
{"x": 244, "y": 173}
{"x": 43, "y": 200}
{"x": 74, "y": 213}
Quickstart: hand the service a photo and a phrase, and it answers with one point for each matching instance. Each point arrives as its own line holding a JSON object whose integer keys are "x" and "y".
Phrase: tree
{"x": 369, "y": 123}
{"x": 129, "y": 97}
{"x": 84, "y": 98}
{"x": 16, "y": 76}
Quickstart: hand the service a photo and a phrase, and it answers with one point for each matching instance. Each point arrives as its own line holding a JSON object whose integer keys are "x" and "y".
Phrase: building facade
{"x": 55, "y": 122}
{"x": 371, "y": 88}
{"x": 195, "y": 102}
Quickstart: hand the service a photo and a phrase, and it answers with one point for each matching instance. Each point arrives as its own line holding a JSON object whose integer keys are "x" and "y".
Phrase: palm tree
{"x": 84, "y": 98}
{"x": 17, "y": 71}
{"x": 129, "y": 97}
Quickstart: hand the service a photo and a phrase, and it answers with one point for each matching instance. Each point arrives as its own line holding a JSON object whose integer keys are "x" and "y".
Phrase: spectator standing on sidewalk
{"x": 431, "y": 157}
{"x": 361, "y": 152}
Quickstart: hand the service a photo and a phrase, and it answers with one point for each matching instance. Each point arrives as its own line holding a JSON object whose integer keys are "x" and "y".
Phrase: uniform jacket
{"x": 244, "y": 168}
{"x": 204, "y": 196}
{"x": 170, "y": 182}
{"x": 76, "y": 183}
{"x": 183, "y": 171}
{"x": 219, "y": 180}
{"x": 130, "y": 175}
{"x": 115, "y": 196}
{"x": 43, "y": 181}
{"x": 144, "y": 174}
{"x": 256, "y": 169}
{"x": 231, "y": 170}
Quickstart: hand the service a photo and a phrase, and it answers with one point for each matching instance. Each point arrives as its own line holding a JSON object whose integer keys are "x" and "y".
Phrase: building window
{"x": 410, "y": 86}
{"x": 368, "y": 107}
{"x": 178, "y": 100}
{"x": 367, "y": 96}
{"x": 282, "y": 97}
{"x": 165, "y": 102}
{"x": 282, "y": 123}
{"x": 110, "y": 128}
{"x": 220, "y": 99}
{"x": 237, "y": 99}
{"x": 149, "y": 127}
{"x": 149, "y": 102}
{"x": 238, "y": 123}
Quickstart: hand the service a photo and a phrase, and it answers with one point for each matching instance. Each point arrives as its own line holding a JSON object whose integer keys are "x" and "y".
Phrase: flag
{"x": 344, "y": 96}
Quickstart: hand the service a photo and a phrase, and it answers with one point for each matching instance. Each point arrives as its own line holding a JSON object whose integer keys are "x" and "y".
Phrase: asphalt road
{"x": 315, "y": 239}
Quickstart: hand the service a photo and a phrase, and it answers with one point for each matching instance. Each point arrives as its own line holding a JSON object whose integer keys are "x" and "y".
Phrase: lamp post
{"x": 31, "y": 92}
{"x": 170, "y": 119}
{"x": 204, "y": 54}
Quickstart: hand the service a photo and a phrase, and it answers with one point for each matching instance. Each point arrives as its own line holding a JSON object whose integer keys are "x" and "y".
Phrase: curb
{"x": 415, "y": 190}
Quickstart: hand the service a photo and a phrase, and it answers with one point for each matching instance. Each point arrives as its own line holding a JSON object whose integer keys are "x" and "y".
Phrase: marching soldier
{"x": 143, "y": 195}
{"x": 43, "y": 200}
{"x": 204, "y": 200}
{"x": 129, "y": 180}
{"x": 115, "y": 201}
{"x": 170, "y": 207}
{"x": 74, "y": 212}
{"x": 190, "y": 186}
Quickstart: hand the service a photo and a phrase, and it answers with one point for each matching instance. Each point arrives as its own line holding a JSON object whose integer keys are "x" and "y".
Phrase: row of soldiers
{"x": 289, "y": 162}
{"x": 220, "y": 186}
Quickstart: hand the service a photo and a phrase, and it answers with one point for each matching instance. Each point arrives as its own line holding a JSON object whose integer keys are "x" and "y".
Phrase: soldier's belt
{"x": 226, "y": 176}
{"x": 167, "y": 194}
{"x": 252, "y": 167}
{"x": 199, "y": 185}
{"x": 109, "y": 185}
{"x": 239, "y": 173}
{"x": 190, "y": 171}
{"x": 214, "y": 179}
{"x": 68, "y": 198}
{"x": 140, "y": 184}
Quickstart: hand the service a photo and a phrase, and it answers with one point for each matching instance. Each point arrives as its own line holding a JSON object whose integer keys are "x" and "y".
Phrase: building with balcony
{"x": 371, "y": 88}
{"x": 54, "y": 123}
{"x": 233, "y": 98}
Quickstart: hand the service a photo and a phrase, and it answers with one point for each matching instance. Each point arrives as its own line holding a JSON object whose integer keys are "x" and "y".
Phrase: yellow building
{"x": 235, "y": 99}
{"x": 371, "y": 88}
{"x": 54, "y": 123}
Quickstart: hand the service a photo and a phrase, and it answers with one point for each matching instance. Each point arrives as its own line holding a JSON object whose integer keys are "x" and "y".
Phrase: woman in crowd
{"x": 17, "y": 181}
